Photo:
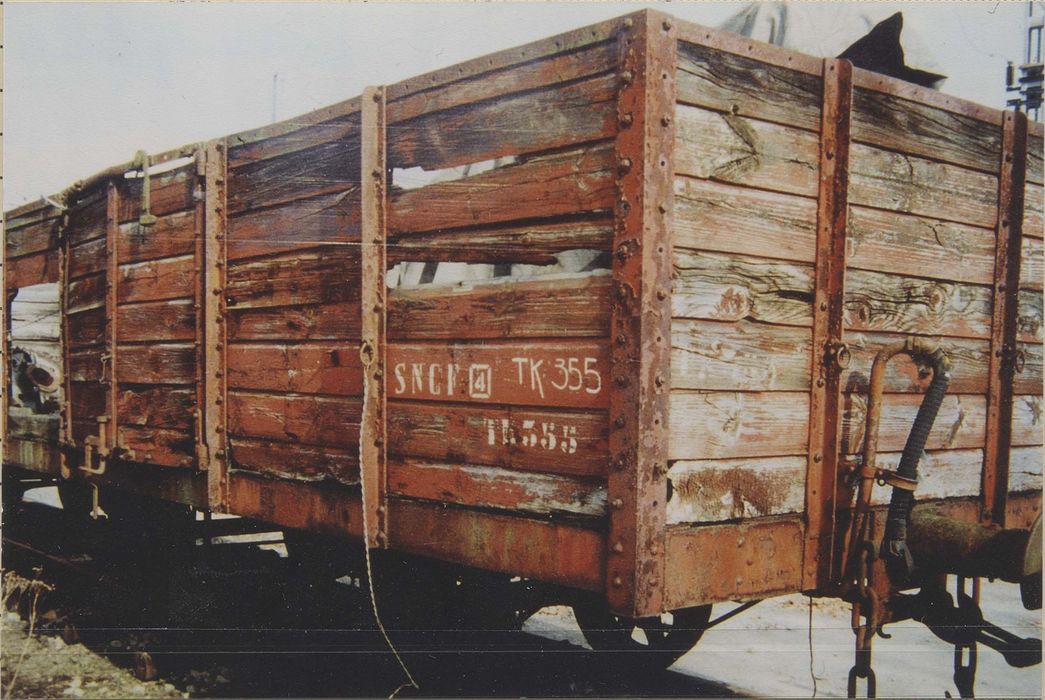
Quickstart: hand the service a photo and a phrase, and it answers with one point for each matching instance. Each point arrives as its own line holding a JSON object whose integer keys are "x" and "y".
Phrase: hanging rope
{"x": 366, "y": 355}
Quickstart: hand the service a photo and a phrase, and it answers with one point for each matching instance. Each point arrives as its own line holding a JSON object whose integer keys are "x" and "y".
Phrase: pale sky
{"x": 86, "y": 85}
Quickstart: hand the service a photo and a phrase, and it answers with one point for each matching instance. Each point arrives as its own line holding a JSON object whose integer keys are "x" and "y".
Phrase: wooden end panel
{"x": 323, "y": 508}
{"x": 549, "y": 551}
{"x": 551, "y": 117}
{"x": 738, "y": 561}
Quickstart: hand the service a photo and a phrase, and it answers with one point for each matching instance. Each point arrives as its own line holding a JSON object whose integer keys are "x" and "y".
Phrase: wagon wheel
{"x": 667, "y": 637}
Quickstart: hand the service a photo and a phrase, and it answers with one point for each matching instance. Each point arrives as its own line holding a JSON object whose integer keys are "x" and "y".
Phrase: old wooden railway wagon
{"x": 667, "y": 241}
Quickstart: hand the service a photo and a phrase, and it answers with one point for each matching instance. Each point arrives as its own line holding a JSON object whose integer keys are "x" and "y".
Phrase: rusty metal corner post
{"x": 215, "y": 419}
{"x": 374, "y": 190}
{"x": 829, "y": 354}
{"x": 1002, "y": 363}
{"x": 641, "y": 315}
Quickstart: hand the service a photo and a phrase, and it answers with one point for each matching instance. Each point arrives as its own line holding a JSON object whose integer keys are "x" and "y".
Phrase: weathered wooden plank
{"x": 1032, "y": 263}
{"x": 324, "y": 169}
{"x": 29, "y": 213}
{"x": 345, "y": 126}
{"x": 913, "y": 245}
{"x": 492, "y": 487}
{"x": 717, "y": 217}
{"x": 547, "y": 118}
{"x": 88, "y": 401}
{"x": 730, "y": 148}
{"x": 908, "y": 126}
{"x": 746, "y": 356}
{"x": 33, "y": 238}
{"x": 327, "y": 219}
{"x": 573, "y": 182}
{"x": 171, "y": 192}
{"x": 156, "y": 406}
{"x": 1029, "y": 379}
{"x": 534, "y": 244}
{"x": 156, "y": 321}
{"x": 1033, "y": 204}
{"x": 87, "y": 327}
{"x": 729, "y": 489}
{"x": 730, "y": 288}
{"x": 1025, "y": 469}
{"x": 1029, "y": 316}
{"x": 157, "y": 280}
{"x": 913, "y": 185}
{"x": 1034, "y": 159}
{"x": 719, "y": 425}
{"x": 297, "y": 462}
{"x": 156, "y": 364}
{"x": 331, "y": 321}
{"x": 317, "y": 276}
{"x": 565, "y": 307}
{"x": 87, "y": 258}
{"x": 559, "y": 68}
{"x": 570, "y": 374}
{"x": 744, "y": 86}
{"x": 305, "y": 419}
{"x": 559, "y": 442}
{"x": 323, "y": 369}
{"x": 159, "y": 446}
{"x": 960, "y": 423}
{"x": 1026, "y": 419}
{"x": 546, "y": 550}
{"x": 171, "y": 236}
{"x": 318, "y": 508}
{"x": 86, "y": 293}
{"x": 36, "y": 268}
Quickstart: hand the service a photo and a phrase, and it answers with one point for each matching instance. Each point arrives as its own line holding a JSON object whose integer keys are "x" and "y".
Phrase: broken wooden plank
{"x": 565, "y": 307}
{"x": 558, "y": 442}
{"x": 341, "y": 127}
{"x": 316, "y": 276}
{"x": 157, "y": 280}
{"x": 295, "y": 418}
{"x": 572, "y": 182}
{"x": 307, "y": 368}
{"x": 552, "y": 117}
{"x": 326, "y": 321}
{"x": 327, "y": 219}
{"x": 294, "y": 461}
{"x": 535, "y": 244}
{"x": 492, "y": 487}
{"x": 568, "y": 374}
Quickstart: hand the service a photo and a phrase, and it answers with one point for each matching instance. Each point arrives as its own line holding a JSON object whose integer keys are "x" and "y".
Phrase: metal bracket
{"x": 141, "y": 160}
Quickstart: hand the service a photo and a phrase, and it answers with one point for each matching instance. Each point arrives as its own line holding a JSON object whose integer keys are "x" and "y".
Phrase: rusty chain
{"x": 866, "y": 604}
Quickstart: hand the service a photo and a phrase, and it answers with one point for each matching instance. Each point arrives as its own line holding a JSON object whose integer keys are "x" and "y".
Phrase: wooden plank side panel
{"x": 172, "y": 363}
{"x": 171, "y": 192}
{"x": 295, "y": 462}
{"x": 1033, "y": 204}
{"x": 561, "y": 308}
{"x": 159, "y": 321}
{"x": 171, "y": 236}
{"x": 156, "y": 406}
{"x": 157, "y": 280}
{"x": 36, "y": 268}
{"x": 557, "y": 442}
{"x": 571, "y": 182}
{"x": 321, "y": 321}
{"x": 324, "y": 220}
{"x": 547, "y": 118}
{"x": 87, "y": 258}
{"x": 32, "y": 238}
{"x": 493, "y": 487}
